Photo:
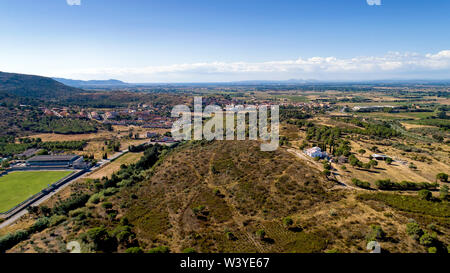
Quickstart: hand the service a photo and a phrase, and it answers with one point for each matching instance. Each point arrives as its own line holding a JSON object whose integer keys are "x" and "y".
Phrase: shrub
{"x": 287, "y": 222}
{"x": 432, "y": 249}
{"x": 189, "y": 250}
{"x": 159, "y": 249}
{"x": 424, "y": 195}
{"x": 198, "y": 210}
{"x": 385, "y": 184}
{"x": 101, "y": 239}
{"x": 80, "y": 213}
{"x": 361, "y": 184}
{"x": 261, "y": 234}
{"x": 376, "y": 234}
{"x": 413, "y": 229}
{"x": 74, "y": 202}
{"x": 134, "y": 250}
{"x": 40, "y": 224}
{"x": 57, "y": 219}
{"x": 442, "y": 176}
{"x": 230, "y": 236}
{"x": 107, "y": 205}
{"x": 95, "y": 198}
{"x": 12, "y": 239}
{"x": 428, "y": 239}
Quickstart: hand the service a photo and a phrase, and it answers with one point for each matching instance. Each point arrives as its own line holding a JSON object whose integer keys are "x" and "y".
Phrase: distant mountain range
{"x": 32, "y": 86}
{"x": 93, "y": 83}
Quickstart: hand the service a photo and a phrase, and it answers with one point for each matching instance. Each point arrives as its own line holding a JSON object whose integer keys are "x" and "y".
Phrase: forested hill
{"x": 34, "y": 86}
{"x": 92, "y": 83}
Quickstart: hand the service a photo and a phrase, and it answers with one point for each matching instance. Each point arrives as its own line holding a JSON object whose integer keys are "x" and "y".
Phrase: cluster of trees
{"x": 441, "y": 123}
{"x": 387, "y": 184}
{"x": 11, "y": 148}
{"x": 355, "y": 162}
{"x": 113, "y": 145}
{"x": 361, "y": 184}
{"x": 424, "y": 237}
{"x": 59, "y": 125}
{"x": 329, "y": 139}
{"x": 291, "y": 112}
{"x": 374, "y": 128}
{"x": 48, "y": 217}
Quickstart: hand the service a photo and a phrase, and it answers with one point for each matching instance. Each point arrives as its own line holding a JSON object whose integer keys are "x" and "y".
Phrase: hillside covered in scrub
{"x": 32, "y": 86}
{"x": 226, "y": 196}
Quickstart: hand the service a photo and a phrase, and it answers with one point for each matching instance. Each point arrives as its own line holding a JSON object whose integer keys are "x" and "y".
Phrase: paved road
{"x": 24, "y": 211}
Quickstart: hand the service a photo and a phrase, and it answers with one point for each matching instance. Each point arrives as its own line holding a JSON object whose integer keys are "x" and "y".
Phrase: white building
{"x": 315, "y": 152}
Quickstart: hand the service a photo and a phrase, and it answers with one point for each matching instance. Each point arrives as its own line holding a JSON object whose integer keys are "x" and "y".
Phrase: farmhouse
{"x": 316, "y": 152}
{"x": 65, "y": 161}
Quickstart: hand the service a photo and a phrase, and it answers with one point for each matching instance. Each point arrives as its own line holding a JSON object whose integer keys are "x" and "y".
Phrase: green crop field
{"x": 16, "y": 187}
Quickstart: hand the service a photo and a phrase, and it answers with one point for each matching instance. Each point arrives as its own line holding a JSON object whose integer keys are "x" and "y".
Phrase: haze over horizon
{"x": 175, "y": 41}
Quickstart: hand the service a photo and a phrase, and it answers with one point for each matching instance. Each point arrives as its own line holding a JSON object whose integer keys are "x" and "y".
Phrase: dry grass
{"x": 114, "y": 166}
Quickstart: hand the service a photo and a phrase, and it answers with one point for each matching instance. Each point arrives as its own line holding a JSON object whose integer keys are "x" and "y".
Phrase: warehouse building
{"x": 62, "y": 161}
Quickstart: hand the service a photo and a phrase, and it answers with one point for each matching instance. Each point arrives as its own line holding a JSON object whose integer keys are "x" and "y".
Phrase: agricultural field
{"x": 16, "y": 187}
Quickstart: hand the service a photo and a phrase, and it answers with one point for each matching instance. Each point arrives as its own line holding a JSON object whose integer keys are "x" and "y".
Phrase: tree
{"x": 353, "y": 160}
{"x": 373, "y": 163}
{"x": 102, "y": 240}
{"x": 442, "y": 176}
{"x": 362, "y": 151}
{"x": 389, "y": 160}
{"x": 425, "y": 195}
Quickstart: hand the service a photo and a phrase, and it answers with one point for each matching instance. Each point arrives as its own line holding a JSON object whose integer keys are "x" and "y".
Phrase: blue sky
{"x": 226, "y": 40}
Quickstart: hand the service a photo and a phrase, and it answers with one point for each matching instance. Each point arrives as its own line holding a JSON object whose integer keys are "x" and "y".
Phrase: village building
{"x": 316, "y": 152}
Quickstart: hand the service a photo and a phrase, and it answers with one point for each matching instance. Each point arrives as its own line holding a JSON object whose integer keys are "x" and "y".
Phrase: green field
{"x": 16, "y": 187}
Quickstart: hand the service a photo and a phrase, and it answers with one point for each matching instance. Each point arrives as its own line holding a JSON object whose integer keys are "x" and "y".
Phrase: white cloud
{"x": 73, "y": 2}
{"x": 374, "y": 2}
{"x": 388, "y": 66}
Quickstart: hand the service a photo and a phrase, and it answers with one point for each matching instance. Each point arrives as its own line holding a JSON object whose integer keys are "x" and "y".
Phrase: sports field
{"x": 17, "y": 187}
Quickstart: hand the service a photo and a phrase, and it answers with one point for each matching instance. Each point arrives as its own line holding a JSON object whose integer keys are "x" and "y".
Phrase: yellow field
{"x": 114, "y": 166}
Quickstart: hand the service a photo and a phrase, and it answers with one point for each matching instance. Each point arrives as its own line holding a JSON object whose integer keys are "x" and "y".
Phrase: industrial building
{"x": 62, "y": 161}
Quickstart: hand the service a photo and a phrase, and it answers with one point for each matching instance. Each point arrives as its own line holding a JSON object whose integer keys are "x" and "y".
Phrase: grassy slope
{"x": 16, "y": 187}
{"x": 255, "y": 190}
